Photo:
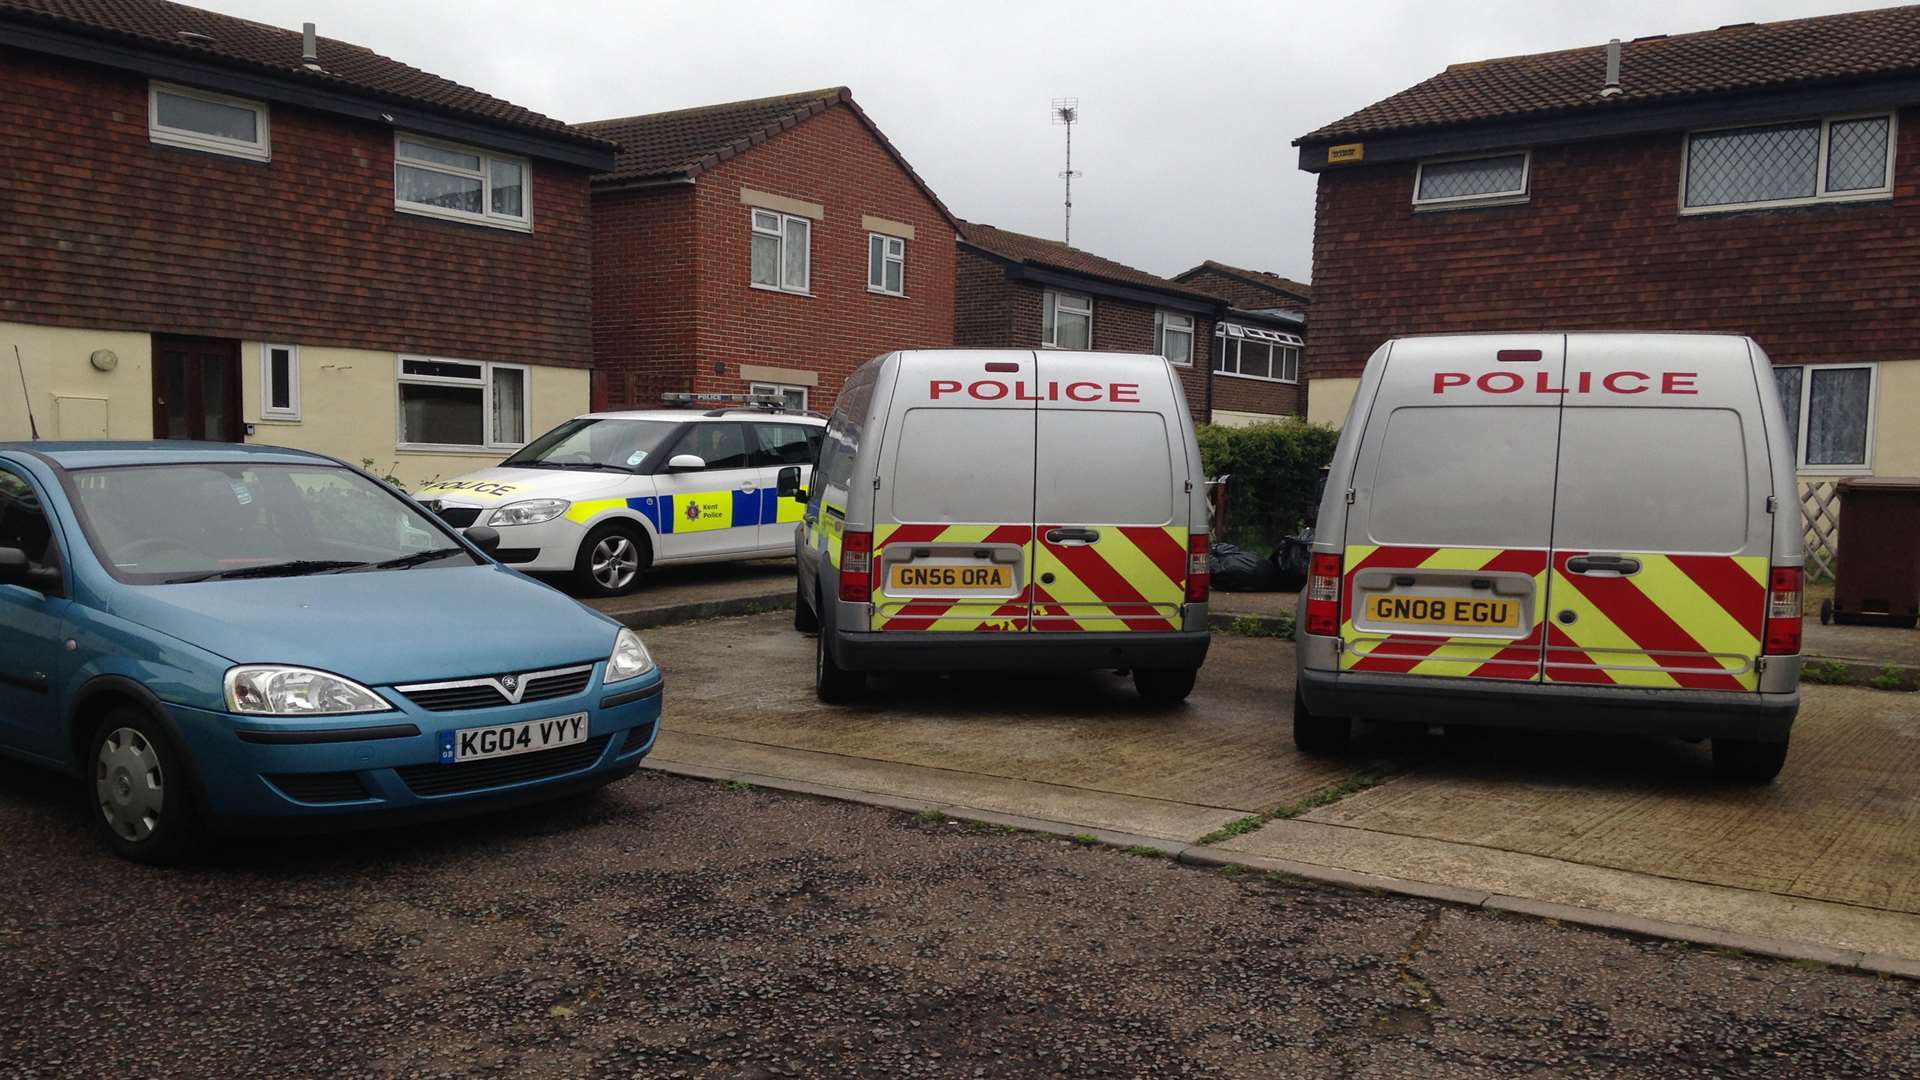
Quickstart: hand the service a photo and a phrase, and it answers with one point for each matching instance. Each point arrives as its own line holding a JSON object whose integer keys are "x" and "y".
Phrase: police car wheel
{"x": 611, "y": 560}
{"x": 1164, "y": 686}
{"x": 805, "y": 619}
{"x": 1316, "y": 734}
{"x": 1745, "y": 761}
{"x": 832, "y": 683}
{"x": 140, "y": 798}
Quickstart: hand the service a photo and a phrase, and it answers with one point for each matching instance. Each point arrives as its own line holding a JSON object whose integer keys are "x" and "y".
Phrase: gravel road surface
{"x": 672, "y": 928}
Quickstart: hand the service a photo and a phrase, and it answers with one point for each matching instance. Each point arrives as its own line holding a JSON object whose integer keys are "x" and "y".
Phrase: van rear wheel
{"x": 1317, "y": 734}
{"x": 1745, "y": 761}
{"x": 832, "y": 683}
{"x": 1164, "y": 686}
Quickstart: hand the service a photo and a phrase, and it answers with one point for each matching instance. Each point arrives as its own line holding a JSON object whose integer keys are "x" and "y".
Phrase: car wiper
{"x": 293, "y": 568}
{"x": 587, "y": 465}
{"x": 406, "y": 562}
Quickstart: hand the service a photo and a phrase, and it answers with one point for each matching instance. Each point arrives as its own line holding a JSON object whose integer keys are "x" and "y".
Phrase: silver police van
{"x": 979, "y": 510}
{"x": 1574, "y": 531}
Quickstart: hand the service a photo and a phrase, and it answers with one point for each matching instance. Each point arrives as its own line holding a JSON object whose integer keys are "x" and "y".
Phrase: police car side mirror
{"x": 685, "y": 462}
{"x": 787, "y": 482}
{"x": 483, "y": 537}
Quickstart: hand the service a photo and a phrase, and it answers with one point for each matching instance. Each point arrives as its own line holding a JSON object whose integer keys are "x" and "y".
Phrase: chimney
{"x": 309, "y": 46}
{"x": 1613, "y": 69}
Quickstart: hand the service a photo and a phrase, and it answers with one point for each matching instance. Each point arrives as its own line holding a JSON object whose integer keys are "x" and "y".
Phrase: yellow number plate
{"x": 1443, "y": 611}
{"x": 977, "y": 577}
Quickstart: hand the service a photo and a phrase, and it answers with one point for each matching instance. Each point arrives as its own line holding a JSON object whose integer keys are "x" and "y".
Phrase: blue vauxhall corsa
{"x": 242, "y": 639}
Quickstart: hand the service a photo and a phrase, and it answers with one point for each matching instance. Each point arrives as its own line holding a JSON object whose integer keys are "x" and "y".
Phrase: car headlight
{"x": 274, "y": 690}
{"x": 530, "y": 512}
{"x": 629, "y": 660}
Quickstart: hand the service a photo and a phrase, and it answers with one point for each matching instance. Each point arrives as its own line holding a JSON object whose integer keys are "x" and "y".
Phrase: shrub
{"x": 1275, "y": 469}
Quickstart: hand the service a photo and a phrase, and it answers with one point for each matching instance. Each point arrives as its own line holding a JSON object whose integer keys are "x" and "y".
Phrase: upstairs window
{"x": 216, "y": 123}
{"x": 1843, "y": 158}
{"x": 1066, "y": 320}
{"x": 1173, "y": 336}
{"x": 782, "y": 252}
{"x": 1474, "y": 181}
{"x": 459, "y": 183}
{"x": 886, "y": 264}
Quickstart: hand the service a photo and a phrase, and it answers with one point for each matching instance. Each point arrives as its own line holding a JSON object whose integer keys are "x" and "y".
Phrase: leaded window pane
{"x": 1504, "y": 175}
{"x": 1857, "y": 154}
{"x": 1753, "y": 165}
{"x": 1837, "y": 415}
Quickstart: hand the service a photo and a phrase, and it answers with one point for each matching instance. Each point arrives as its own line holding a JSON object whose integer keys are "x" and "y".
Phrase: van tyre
{"x": 1745, "y": 761}
{"x": 611, "y": 560}
{"x": 1317, "y": 734}
{"x": 805, "y": 619}
{"x": 1164, "y": 686}
{"x": 139, "y": 795}
{"x": 832, "y": 683}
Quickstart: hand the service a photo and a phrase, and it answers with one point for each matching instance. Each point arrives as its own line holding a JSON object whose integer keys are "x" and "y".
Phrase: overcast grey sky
{"x": 1189, "y": 110}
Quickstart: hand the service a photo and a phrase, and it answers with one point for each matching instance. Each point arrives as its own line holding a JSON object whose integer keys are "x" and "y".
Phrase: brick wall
{"x": 1238, "y": 291}
{"x": 1602, "y": 246}
{"x": 715, "y": 316}
{"x": 102, "y": 229}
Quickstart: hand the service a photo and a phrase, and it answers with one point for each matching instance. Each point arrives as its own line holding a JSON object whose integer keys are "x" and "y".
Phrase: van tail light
{"x": 856, "y": 567}
{"x": 1199, "y": 575}
{"x": 1323, "y": 596}
{"x": 1783, "y": 611}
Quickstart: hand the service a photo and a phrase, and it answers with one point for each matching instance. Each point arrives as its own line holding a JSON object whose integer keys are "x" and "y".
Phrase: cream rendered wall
{"x": 350, "y": 409}
{"x": 1896, "y": 437}
{"x": 1329, "y": 399}
{"x": 57, "y": 367}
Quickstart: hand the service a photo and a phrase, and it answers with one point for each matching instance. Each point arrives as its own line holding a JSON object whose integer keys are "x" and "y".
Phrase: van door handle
{"x": 1603, "y": 564}
{"x": 1071, "y": 534}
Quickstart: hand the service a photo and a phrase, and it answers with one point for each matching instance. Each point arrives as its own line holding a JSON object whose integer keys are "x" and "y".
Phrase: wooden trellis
{"x": 1820, "y": 517}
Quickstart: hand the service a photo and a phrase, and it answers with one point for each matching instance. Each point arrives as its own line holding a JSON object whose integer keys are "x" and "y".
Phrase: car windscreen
{"x": 162, "y": 524}
{"x": 588, "y": 443}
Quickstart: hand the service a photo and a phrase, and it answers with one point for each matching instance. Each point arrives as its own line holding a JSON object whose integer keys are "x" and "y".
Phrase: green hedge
{"x": 1274, "y": 468}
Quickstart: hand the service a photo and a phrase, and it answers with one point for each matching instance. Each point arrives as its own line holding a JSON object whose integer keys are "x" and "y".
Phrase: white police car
{"x": 606, "y": 495}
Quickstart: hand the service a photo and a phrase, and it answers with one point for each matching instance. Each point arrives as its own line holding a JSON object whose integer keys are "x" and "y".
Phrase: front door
{"x": 196, "y": 389}
{"x": 715, "y": 509}
{"x": 32, "y": 622}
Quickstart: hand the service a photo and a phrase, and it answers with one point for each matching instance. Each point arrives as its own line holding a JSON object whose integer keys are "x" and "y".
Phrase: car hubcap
{"x": 129, "y": 784}
{"x": 614, "y": 562}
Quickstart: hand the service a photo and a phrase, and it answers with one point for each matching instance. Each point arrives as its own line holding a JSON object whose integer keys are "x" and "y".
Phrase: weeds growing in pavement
{"x": 1086, "y": 839}
{"x": 1890, "y": 678}
{"x": 736, "y": 785}
{"x": 1323, "y": 797}
{"x": 1827, "y": 671}
{"x": 1271, "y": 626}
{"x": 931, "y": 816}
{"x": 1141, "y": 851}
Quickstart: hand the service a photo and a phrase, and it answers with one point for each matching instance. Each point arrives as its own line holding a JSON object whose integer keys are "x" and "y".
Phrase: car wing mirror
{"x": 787, "y": 482}
{"x": 685, "y": 463}
{"x": 15, "y": 569}
{"x": 483, "y": 537}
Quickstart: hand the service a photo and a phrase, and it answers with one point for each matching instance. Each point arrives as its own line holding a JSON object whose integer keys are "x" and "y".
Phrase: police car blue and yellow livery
{"x": 604, "y": 496}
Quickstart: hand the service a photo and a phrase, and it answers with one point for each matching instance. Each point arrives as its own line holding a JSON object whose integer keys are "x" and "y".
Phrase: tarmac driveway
{"x": 1634, "y": 828}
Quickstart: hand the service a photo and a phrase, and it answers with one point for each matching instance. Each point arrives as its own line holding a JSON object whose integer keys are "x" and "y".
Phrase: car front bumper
{"x": 550, "y": 547}
{"x": 261, "y": 774}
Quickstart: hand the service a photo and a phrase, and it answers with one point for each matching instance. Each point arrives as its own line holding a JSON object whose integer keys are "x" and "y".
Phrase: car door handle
{"x": 1603, "y": 564}
{"x": 1070, "y": 534}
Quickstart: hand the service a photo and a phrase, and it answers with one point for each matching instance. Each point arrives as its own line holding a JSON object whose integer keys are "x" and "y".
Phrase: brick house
{"x": 1756, "y": 179}
{"x": 1264, "y": 333}
{"x": 208, "y": 235}
{"x": 766, "y": 245}
{"x": 1024, "y": 292}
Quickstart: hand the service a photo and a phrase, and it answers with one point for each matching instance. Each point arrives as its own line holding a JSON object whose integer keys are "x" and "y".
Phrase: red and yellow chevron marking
{"x": 1683, "y": 621}
{"x": 952, "y": 615}
{"x": 1410, "y": 653}
{"x": 1132, "y": 578}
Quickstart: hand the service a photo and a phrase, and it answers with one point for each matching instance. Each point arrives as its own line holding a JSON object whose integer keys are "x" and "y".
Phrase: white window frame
{"x": 1274, "y": 339}
{"x": 1161, "y": 329}
{"x": 1820, "y": 193}
{"x": 485, "y": 385}
{"x": 887, "y": 258}
{"x": 267, "y": 409}
{"x": 1489, "y": 198}
{"x": 260, "y": 150}
{"x": 779, "y": 390}
{"x": 1049, "y": 328}
{"x": 1805, "y": 418}
{"x": 487, "y": 216}
{"x": 780, "y": 265}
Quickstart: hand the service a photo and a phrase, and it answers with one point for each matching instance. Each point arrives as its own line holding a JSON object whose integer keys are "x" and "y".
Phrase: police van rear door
{"x": 1661, "y": 538}
{"x": 1452, "y": 510}
{"x": 953, "y": 513}
{"x": 1110, "y": 495}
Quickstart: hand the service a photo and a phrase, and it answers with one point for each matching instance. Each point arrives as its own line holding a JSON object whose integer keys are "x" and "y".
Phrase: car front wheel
{"x": 611, "y": 560}
{"x": 140, "y": 798}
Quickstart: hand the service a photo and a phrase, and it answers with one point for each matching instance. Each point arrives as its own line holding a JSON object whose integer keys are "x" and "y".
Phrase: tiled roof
{"x": 241, "y": 43}
{"x": 1296, "y": 289}
{"x": 1745, "y": 57}
{"x": 1034, "y": 251}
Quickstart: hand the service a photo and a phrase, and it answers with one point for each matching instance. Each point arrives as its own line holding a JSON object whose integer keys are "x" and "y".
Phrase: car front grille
{"x": 489, "y": 693}
{"x": 429, "y": 780}
{"x": 458, "y": 516}
{"x": 320, "y": 787}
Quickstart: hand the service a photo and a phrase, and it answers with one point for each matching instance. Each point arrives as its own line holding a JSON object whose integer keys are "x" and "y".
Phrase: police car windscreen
{"x": 1654, "y": 480}
{"x": 587, "y": 443}
{"x": 964, "y": 466}
{"x": 1465, "y": 476}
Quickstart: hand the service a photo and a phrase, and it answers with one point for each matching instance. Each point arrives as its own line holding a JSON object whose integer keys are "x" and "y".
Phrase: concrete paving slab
{"x": 705, "y": 590}
{"x": 1861, "y": 644}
